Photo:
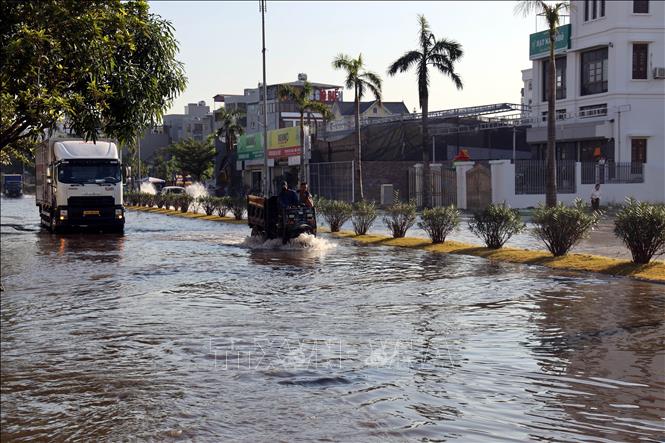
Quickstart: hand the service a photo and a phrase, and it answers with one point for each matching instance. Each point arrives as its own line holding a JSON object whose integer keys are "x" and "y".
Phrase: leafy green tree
{"x": 193, "y": 157}
{"x": 552, "y": 13}
{"x": 302, "y": 98}
{"x": 360, "y": 80}
{"x": 163, "y": 165}
{"x": 440, "y": 54}
{"x": 229, "y": 128}
{"x": 102, "y": 66}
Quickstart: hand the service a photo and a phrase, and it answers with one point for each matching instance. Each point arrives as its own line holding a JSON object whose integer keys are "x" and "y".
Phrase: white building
{"x": 610, "y": 103}
{"x": 527, "y": 91}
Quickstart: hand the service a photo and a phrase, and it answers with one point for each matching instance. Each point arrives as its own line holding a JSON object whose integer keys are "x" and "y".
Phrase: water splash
{"x": 148, "y": 188}
{"x": 302, "y": 242}
{"x": 196, "y": 190}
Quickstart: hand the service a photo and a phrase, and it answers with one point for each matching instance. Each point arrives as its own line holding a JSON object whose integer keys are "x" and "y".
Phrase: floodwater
{"x": 183, "y": 330}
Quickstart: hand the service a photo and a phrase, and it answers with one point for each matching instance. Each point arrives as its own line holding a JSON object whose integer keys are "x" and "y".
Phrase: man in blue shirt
{"x": 287, "y": 197}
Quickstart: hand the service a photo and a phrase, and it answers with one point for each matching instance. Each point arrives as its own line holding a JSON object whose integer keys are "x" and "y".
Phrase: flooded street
{"x": 181, "y": 329}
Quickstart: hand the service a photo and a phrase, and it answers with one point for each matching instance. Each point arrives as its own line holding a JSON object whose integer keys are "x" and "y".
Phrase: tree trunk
{"x": 550, "y": 162}
{"x": 427, "y": 187}
{"x": 302, "y": 143}
{"x": 360, "y": 195}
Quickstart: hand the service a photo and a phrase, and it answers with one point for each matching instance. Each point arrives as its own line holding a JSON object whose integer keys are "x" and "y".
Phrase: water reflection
{"x": 101, "y": 248}
{"x": 608, "y": 355}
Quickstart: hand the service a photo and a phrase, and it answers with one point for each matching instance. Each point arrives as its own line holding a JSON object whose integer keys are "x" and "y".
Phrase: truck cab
{"x": 79, "y": 183}
{"x": 12, "y": 185}
{"x": 268, "y": 219}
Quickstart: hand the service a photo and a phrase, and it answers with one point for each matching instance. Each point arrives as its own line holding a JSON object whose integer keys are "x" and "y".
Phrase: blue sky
{"x": 220, "y": 45}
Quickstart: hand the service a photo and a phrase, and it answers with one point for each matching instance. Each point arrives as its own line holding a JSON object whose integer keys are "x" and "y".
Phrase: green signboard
{"x": 250, "y": 147}
{"x": 539, "y": 43}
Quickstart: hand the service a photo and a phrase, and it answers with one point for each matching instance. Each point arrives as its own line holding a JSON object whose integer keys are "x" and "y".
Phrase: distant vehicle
{"x": 172, "y": 190}
{"x": 79, "y": 183}
{"x": 12, "y": 185}
{"x": 267, "y": 219}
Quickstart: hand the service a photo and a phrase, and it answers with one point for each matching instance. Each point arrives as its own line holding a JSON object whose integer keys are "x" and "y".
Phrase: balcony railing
{"x": 611, "y": 172}
{"x": 530, "y": 176}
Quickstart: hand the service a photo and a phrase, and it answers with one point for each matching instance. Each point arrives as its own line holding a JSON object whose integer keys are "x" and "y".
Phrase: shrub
{"x": 170, "y": 200}
{"x": 562, "y": 227}
{"x": 439, "y": 222}
{"x": 335, "y": 212}
{"x": 238, "y": 206}
{"x": 400, "y": 216}
{"x": 364, "y": 215}
{"x": 208, "y": 203}
{"x": 148, "y": 199}
{"x": 223, "y": 205}
{"x": 496, "y": 224}
{"x": 184, "y": 201}
{"x": 159, "y": 200}
{"x": 641, "y": 226}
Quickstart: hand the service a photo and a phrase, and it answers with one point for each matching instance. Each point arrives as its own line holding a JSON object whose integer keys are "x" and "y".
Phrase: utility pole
{"x": 266, "y": 172}
{"x": 138, "y": 150}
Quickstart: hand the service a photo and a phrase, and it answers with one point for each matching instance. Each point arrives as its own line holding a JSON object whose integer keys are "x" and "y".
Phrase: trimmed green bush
{"x": 238, "y": 206}
{"x": 400, "y": 216}
{"x": 439, "y": 222}
{"x": 641, "y": 226}
{"x": 170, "y": 201}
{"x": 223, "y": 205}
{"x": 562, "y": 227}
{"x": 364, "y": 216}
{"x": 159, "y": 200}
{"x": 208, "y": 203}
{"x": 496, "y": 224}
{"x": 184, "y": 201}
{"x": 334, "y": 212}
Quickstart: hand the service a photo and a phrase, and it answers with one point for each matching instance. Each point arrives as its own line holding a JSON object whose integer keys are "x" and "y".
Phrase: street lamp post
{"x": 266, "y": 179}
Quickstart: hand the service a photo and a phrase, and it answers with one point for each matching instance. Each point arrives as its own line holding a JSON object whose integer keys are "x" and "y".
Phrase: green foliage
{"x": 364, "y": 216}
{"x": 184, "y": 201}
{"x": 193, "y": 157}
{"x": 334, "y": 212}
{"x": 108, "y": 66}
{"x": 208, "y": 203}
{"x": 159, "y": 200}
{"x": 399, "y": 217}
{"x": 238, "y": 206}
{"x": 170, "y": 201}
{"x": 439, "y": 222}
{"x": 641, "y": 226}
{"x": 496, "y": 224}
{"x": 224, "y": 205}
{"x": 561, "y": 227}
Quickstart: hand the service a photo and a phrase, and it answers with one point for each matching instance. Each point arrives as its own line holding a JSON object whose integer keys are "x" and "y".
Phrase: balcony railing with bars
{"x": 530, "y": 176}
{"x": 611, "y": 172}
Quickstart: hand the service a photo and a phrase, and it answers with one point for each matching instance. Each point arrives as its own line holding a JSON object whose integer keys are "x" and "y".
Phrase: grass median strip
{"x": 654, "y": 271}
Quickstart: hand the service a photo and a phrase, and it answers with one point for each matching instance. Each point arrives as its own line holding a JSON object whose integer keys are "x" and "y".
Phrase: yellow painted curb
{"x": 186, "y": 214}
{"x": 654, "y": 271}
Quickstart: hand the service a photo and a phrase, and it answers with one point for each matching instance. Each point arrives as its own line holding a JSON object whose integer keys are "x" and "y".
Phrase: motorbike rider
{"x": 304, "y": 196}
{"x": 287, "y": 197}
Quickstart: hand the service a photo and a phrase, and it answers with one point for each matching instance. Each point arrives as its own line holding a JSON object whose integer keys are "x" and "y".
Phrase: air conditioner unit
{"x": 658, "y": 72}
{"x": 387, "y": 194}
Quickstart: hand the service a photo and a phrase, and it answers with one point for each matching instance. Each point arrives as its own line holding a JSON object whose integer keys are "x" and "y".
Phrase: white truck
{"x": 79, "y": 183}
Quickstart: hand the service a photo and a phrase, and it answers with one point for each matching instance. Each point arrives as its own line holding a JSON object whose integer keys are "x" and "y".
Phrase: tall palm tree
{"x": 441, "y": 55}
{"x": 360, "y": 80}
{"x": 302, "y": 98}
{"x": 229, "y": 130}
{"x": 552, "y": 13}
{"x": 229, "y": 127}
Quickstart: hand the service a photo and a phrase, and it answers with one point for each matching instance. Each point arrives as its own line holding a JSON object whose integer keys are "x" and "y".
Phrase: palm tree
{"x": 360, "y": 80}
{"x": 440, "y": 54}
{"x": 552, "y": 13}
{"x": 302, "y": 98}
{"x": 229, "y": 127}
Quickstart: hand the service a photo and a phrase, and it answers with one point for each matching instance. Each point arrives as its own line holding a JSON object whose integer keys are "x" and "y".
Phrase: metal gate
{"x": 332, "y": 180}
{"x": 443, "y": 181}
{"x": 478, "y": 187}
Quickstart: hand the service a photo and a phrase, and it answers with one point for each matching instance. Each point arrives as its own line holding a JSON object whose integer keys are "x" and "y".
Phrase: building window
{"x": 560, "y": 114}
{"x": 560, "y": 66}
{"x": 638, "y": 150}
{"x": 530, "y": 86}
{"x": 640, "y": 6}
{"x": 602, "y": 8}
{"x": 640, "y": 56}
{"x": 594, "y": 71}
{"x": 594, "y": 9}
{"x": 593, "y": 111}
{"x": 586, "y": 10}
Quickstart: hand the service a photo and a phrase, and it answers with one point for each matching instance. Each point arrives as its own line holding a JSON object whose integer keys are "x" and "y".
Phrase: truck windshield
{"x": 89, "y": 171}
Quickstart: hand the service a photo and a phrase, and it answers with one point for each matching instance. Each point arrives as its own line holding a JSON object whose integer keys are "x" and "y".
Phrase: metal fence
{"x": 610, "y": 172}
{"x": 332, "y": 180}
{"x": 530, "y": 176}
{"x": 443, "y": 182}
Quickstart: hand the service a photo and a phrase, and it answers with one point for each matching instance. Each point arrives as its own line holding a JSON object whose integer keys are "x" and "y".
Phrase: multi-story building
{"x": 197, "y": 122}
{"x": 345, "y": 112}
{"x": 527, "y": 92}
{"x": 610, "y": 87}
